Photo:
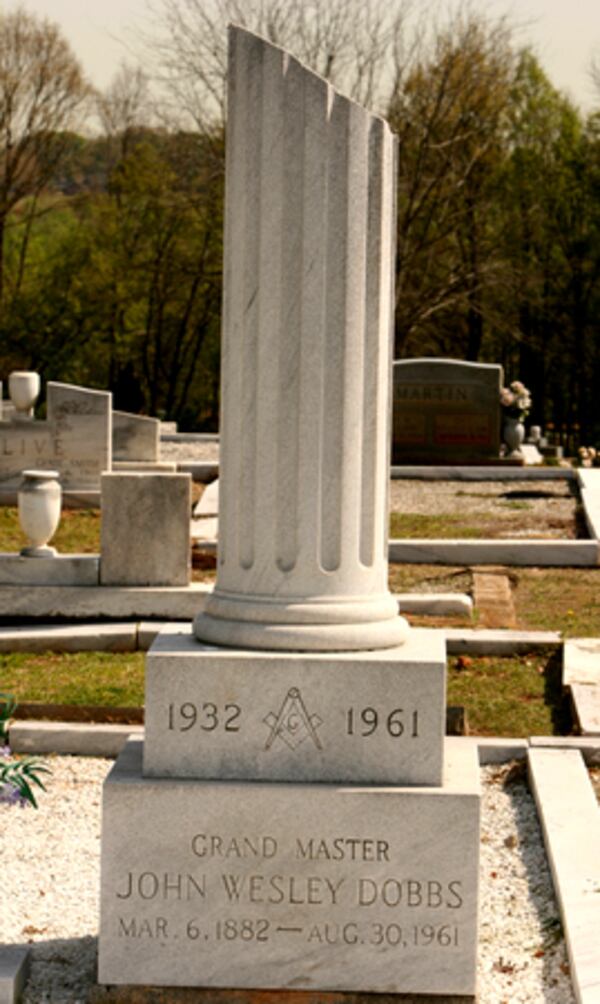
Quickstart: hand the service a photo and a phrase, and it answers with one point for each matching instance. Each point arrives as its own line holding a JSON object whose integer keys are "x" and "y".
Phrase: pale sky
{"x": 564, "y": 34}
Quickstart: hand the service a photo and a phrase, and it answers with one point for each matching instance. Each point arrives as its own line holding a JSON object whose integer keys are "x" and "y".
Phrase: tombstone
{"x": 446, "y": 412}
{"x": 74, "y": 439}
{"x": 145, "y": 531}
{"x": 135, "y": 437}
{"x": 205, "y": 521}
{"x": 81, "y": 421}
{"x": 293, "y": 818}
{"x": 531, "y": 454}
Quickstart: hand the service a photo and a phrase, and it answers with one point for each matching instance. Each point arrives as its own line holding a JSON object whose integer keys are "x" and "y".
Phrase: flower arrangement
{"x": 515, "y": 400}
{"x": 17, "y": 777}
{"x": 588, "y": 456}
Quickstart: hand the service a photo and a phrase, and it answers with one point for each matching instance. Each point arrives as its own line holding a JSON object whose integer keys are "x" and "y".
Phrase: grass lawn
{"x": 113, "y": 679}
{"x": 411, "y": 525}
{"x": 429, "y": 578}
{"x": 558, "y": 599}
{"x": 502, "y": 697}
{"x": 519, "y": 697}
{"x": 78, "y": 532}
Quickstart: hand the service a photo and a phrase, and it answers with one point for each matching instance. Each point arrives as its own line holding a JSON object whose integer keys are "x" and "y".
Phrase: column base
{"x": 327, "y": 624}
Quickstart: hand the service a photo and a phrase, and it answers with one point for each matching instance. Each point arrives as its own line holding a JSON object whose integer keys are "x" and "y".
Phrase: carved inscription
{"x": 434, "y": 392}
{"x": 293, "y": 724}
{"x": 77, "y": 447}
{"x": 462, "y": 430}
{"x": 395, "y": 723}
{"x": 27, "y": 446}
{"x": 206, "y": 716}
{"x": 242, "y": 888}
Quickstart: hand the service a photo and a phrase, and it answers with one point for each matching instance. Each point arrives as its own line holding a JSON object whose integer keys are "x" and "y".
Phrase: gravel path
{"x": 189, "y": 451}
{"x": 540, "y": 509}
{"x": 50, "y": 876}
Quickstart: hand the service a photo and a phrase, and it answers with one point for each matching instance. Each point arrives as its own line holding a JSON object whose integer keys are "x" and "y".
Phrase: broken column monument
{"x": 293, "y": 819}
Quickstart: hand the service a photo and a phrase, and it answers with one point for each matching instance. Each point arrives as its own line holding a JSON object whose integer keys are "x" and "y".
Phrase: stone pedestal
{"x": 368, "y": 718}
{"x": 229, "y": 884}
{"x": 299, "y": 822}
{"x": 145, "y": 533}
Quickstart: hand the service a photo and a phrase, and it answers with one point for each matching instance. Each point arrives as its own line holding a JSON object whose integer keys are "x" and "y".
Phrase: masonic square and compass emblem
{"x": 292, "y": 723}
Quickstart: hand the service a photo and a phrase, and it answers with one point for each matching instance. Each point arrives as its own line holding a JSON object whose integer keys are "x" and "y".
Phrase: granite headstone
{"x": 446, "y": 412}
{"x": 135, "y": 437}
{"x": 74, "y": 439}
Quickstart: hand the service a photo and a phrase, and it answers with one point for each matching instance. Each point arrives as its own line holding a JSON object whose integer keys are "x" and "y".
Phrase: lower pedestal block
{"x": 291, "y": 886}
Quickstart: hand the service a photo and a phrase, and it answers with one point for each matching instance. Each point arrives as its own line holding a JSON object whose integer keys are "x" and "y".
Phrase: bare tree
{"x": 125, "y": 105}
{"x": 42, "y": 89}
{"x": 351, "y": 42}
{"x": 449, "y": 109}
{"x": 594, "y": 71}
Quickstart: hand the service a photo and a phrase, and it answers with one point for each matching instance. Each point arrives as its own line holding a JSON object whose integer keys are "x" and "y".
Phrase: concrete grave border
{"x": 537, "y": 553}
{"x": 570, "y": 820}
{"x": 14, "y": 969}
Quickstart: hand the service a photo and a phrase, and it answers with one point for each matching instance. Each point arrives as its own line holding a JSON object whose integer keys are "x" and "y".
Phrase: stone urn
{"x": 513, "y": 434}
{"x": 24, "y": 389}
{"x": 40, "y": 499}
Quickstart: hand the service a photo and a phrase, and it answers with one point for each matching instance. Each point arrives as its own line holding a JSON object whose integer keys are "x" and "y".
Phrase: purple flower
{"x": 12, "y": 796}
{"x": 5, "y": 750}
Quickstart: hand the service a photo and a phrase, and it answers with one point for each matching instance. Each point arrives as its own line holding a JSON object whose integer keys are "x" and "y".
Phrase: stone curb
{"x": 588, "y": 746}
{"x": 131, "y": 635}
{"x": 60, "y": 570}
{"x": 189, "y": 437}
{"x": 464, "y": 641}
{"x": 70, "y": 738}
{"x": 444, "y": 473}
{"x": 84, "y": 739}
{"x": 14, "y": 968}
{"x": 499, "y": 750}
{"x": 70, "y": 638}
{"x": 93, "y": 603}
{"x": 586, "y": 705}
{"x": 589, "y": 477}
{"x": 581, "y": 661}
{"x": 536, "y": 553}
{"x": 570, "y": 821}
{"x": 581, "y": 676}
{"x": 435, "y": 604}
{"x": 591, "y": 511}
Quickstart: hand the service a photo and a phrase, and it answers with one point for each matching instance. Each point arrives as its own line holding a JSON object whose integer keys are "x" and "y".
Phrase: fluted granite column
{"x": 306, "y": 365}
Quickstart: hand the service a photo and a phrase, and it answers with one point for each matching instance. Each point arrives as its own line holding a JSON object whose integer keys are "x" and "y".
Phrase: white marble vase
{"x": 24, "y": 389}
{"x": 513, "y": 434}
{"x": 40, "y": 499}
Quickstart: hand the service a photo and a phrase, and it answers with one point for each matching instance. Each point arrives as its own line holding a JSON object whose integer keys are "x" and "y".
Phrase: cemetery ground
{"x": 52, "y": 855}
{"x": 521, "y": 954}
{"x": 516, "y": 696}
